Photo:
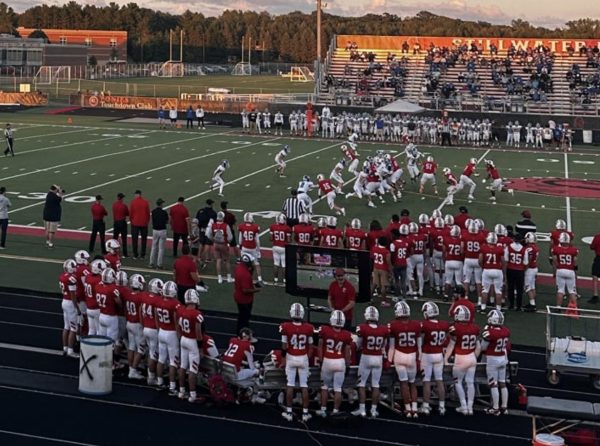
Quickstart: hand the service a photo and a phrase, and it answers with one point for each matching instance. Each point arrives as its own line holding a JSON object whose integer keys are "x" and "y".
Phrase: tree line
{"x": 285, "y": 38}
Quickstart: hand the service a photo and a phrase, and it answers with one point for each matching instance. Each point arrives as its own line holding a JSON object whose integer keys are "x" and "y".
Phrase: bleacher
{"x": 347, "y": 75}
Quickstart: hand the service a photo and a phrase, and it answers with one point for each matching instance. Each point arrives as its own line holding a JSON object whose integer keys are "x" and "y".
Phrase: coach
{"x": 120, "y": 213}
{"x": 526, "y": 225}
{"x": 98, "y": 226}
{"x": 204, "y": 216}
{"x": 595, "y": 246}
{"x": 52, "y": 213}
{"x": 180, "y": 223}
{"x": 160, "y": 218}
{"x": 4, "y": 205}
{"x": 342, "y": 296}
{"x": 516, "y": 263}
{"x": 292, "y": 208}
{"x": 139, "y": 212}
{"x": 244, "y": 290}
{"x": 185, "y": 273}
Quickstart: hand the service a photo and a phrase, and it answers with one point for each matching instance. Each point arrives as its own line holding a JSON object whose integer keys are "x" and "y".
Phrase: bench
{"x": 555, "y": 415}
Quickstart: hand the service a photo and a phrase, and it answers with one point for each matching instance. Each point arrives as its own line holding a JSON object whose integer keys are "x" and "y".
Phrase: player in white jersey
{"x": 352, "y": 141}
{"x": 245, "y": 122}
{"x": 336, "y": 173}
{"x": 412, "y": 157}
{"x": 486, "y": 133}
{"x": 359, "y": 188}
{"x": 217, "y": 178}
{"x": 259, "y": 122}
{"x": 517, "y": 134}
{"x": 509, "y": 134}
{"x": 278, "y": 121}
{"x": 324, "y": 125}
{"x": 539, "y": 140}
{"x": 529, "y": 138}
{"x": 339, "y": 129}
{"x": 280, "y": 160}
{"x": 267, "y": 120}
{"x": 293, "y": 118}
{"x": 304, "y": 187}
{"x": 333, "y": 120}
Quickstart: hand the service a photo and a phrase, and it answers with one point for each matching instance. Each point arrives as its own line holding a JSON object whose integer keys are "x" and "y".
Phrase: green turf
{"x": 100, "y": 156}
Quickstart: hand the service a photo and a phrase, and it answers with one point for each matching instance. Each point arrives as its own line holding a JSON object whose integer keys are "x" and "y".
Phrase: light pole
{"x": 319, "y": 7}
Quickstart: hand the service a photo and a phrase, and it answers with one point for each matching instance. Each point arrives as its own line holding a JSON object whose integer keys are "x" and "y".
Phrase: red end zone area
{"x": 558, "y": 187}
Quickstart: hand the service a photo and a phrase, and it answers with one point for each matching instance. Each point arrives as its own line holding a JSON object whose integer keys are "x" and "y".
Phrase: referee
{"x": 10, "y": 144}
{"x": 292, "y": 208}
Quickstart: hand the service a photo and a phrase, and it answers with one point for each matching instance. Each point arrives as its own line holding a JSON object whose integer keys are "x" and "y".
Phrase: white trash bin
{"x": 96, "y": 365}
{"x": 587, "y": 136}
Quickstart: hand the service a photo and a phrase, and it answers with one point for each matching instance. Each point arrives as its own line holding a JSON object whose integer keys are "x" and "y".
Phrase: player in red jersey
{"x": 109, "y": 301}
{"x": 459, "y": 297}
{"x": 331, "y": 236}
{"x": 135, "y": 331}
{"x": 148, "y": 301}
{"x": 83, "y": 269}
{"x": 428, "y": 176}
{"x": 495, "y": 345}
{"x": 515, "y": 258}
{"x": 113, "y": 256}
{"x": 239, "y": 351}
{"x": 503, "y": 237}
{"x": 472, "y": 241}
{"x": 221, "y": 234}
{"x": 561, "y": 226}
{"x": 491, "y": 260}
{"x": 434, "y": 339}
{"x": 326, "y": 189}
{"x": 281, "y": 235}
{"x": 371, "y": 340}
{"x": 465, "y": 179}
{"x": 122, "y": 282}
{"x": 452, "y": 188}
{"x": 209, "y": 347}
{"x": 399, "y": 252}
{"x": 189, "y": 331}
{"x": 382, "y": 266}
{"x": 403, "y": 351}
{"x": 465, "y": 346}
{"x": 334, "y": 355}
{"x": 354, "y": 237}
{"x": 296, "y": 340}
{"x": 304, "y": 232}
{"x": 565, "y": 264}
{"x": 416, "y": 263}
{"x": 352, "y": 157}
{"x": 249, "y": 241}
{"x": 437, "y": 234}
{"x": 532, "y": 252}
{"x": 90, "y": 282}
{"x": 168, "y": 344}
{"x": 497, "y": 181}
{"x": 71, "y": 312}
{"x": 453, "y": 257}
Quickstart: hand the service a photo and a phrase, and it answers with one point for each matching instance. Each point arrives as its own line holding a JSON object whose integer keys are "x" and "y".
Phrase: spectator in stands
{"x": 405, "y": 47}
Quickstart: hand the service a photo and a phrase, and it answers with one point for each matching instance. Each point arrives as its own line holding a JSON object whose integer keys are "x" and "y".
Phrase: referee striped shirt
{"x": 292, "y": 208}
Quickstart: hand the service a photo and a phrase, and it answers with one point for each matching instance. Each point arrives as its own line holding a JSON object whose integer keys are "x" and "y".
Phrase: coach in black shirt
{"x": 160, "y": 218}
{"x": 292, "y": 208}
{"x": 52, "y": 213}
{"x": 526, "y": 225}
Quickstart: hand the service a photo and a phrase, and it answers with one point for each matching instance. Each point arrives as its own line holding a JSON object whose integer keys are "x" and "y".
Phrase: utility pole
{"x": 319, "y": 7}
{"x": 170, "y": 45}
{"x": 181, "y": 46}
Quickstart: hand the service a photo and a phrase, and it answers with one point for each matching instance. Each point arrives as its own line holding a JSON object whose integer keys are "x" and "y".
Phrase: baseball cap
{"x": 99, "y": 197}
{"x": 210, "y": 202}
{"x": 526, "y": 213}
{"x": 160, "y": 201}
{"x": 463, "y": 209}
{"x": 224, "y": 204}
{"x": 120, "y": 195}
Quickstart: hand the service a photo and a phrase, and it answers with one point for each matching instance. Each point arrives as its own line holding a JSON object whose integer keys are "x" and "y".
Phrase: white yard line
{"x": 44, "y": 135}
{"x": 103, "y": 156}
{"x": 567, "y": 197}
{"x": 97, "y": 186}
{"x": 483, "y": 156}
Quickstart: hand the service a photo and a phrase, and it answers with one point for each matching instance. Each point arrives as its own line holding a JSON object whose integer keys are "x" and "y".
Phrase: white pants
{"x": 432, "y": 364}
{"x": 493, "y": 277}
{"x": 370, "y": 365}
{"x": 413, "y": 170}
{"x": 151, "y": 340}
{"x": 331, "y": 199}
{"x": 406, "y": 366}
{"x": 135, "y": 337}
{"x": 253, "y": 252}
{"x": 495, "y": 369}
{"x": 168, "y": 347}
{"x": 297, "y": 365}
{"x": 471, "y": 268}
{"x": 69, "y": 316}
{"x": 465, "y": 181}
{"x": 453, "y": 270}
{"x": 566, "y": 281}
{"x": 353, "y": 166}
{"x": 93, "y": 321}
{"x": 530, "y": 276}
{"x": 190, "y": 355}
{"x": 336, "y": 177}
{"x": 306, "y": 200}
{"x": 218, "y": 182}
{"x": 109, "y": 326}
{"x": 464, "y": 370}
{"x": 333, "y": 372}
{"x": 279, "y": 256}
{"x": 159, "y": 237}
{"x": 428, "y": 178}
{"x": 438, "y": 267}
{"x": 417, "y": 262}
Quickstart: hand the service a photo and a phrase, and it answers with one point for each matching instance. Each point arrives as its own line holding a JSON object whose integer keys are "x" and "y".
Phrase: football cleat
{"x": 359, "y": 413}
{"x": 288, "y": 416}
{"x": 306, "y": 417}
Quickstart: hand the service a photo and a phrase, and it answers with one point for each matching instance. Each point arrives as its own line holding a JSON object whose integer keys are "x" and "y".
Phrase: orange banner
{"x": 394, "y": 43}
{"x": 26, "y": 99}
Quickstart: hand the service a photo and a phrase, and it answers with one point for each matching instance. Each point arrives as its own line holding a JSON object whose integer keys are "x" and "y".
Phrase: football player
{"x": 495, "y": 345}
{"x": 168, "y": 344}
{"x": 565, "y": 265}
{"x": 403, "y": 352}
{"x": 359, "y": 188}
{"x": 91, "y": 281}
{"x": 437, "y": 233}
{"x": 497, "y": 181}
{"x": 135, "y": 331}
{"x": 354, "y": 236}
{"x": 71, "y": 312}
{"x": 280, "y": 160}
{"x": 371, "y": 340}
{"x": 472, "y": 241}
{"x": 334, "y": 356}
{"x": 491, "y": 261}
{"x": 434, "y": 339}
{"x": 453, "y": 260}
{"x": 452, "y": 183}
{"x": 296, "y": 340}
{"x": 399, "y": 251}
{"x": 531, "y": 253}
{"x": 221, "y": 235}
{"x": 515, "y": 259}
{"x": 412, "y": 158}
{"x": 304, "y": 187}
{"x": 336, "y": 173}
{"x": 109, "y": 299}
{"x": 217, "y": 178}
{"x": 560, "y": 227}
{"x": 418, "y": 244}
{"x": 304, "y": 232}
{"x": 381, "y": 269}
{"x": 113, "y": 256}
{"x": 278, "y": 121}
{"x": 326, "y": 188}
{"x": 239, "y": 351}
{"x": 281, "y": 235}
{"x": 465, "y": 347}
{"x": 148, "y": 301}
{"x": 330, "y": 236}
{"x": 189, "y": 331}
{"x": 352, "y": 157}
{"x": 429, "y": 171}
{"x": 465, "y": 179}
{"x": 249, "y": 241}
{"x": 83, "y": 269}
{"x": 122, "y": 282}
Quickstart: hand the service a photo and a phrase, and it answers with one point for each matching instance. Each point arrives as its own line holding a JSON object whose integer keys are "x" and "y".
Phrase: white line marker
{"x": 268, "y": 186}
{"x": 31, "y": 224}
{"x": 81, "y": 229}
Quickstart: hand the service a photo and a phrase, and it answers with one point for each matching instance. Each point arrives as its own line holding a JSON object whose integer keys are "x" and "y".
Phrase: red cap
{"x": 339, "y": 271}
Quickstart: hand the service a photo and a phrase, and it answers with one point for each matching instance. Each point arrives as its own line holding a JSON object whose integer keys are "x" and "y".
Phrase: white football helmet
{"x": 455, "y": 231}
{"x": 220, "y": 216}
{"x": 355, "y": 223}
{"x": 436, "y": 213}
{"x": 446, "y": 171}
{"x": 371, "y": 314}
{"x": 108, "y": 276}
{"x": 281, "y": 219}
{"x": 489, "y": 163}
{"x": 98, "y": 266}
{"x": 331, "y": 221}
{"x": 495, "y": 317}
{"x": 82, "y": 257}
{"x": 473, "y": 228}
{"x": 561, "y": 225}
{"x": 320, "y": 177}
{"x": 248, "y": 218}
{"x": 137, "y": 282}
{"x": 468, "y": 222}
{"x": 430, "y": 310}
{"x": 343, "y": 147}
{"x": 69, "y": 266}
{"x": 449, "y": 220}
{"x": 169, "y": 289}
{"x": 303, "y": 219}
{"x": 122, "y": 279}
{"x": 430, "y": 159}
{"x": 322, "y": 222}
{"x": 423, "y": 219}
{"x": 462, "y": 314}
{"x": 438, "y": 223}
{"x": 401, "y": 309}
{"x": 473, "y": 161}
{"x": 155, "y": 286}
{"x": 500, "y": 230}
{"x": 491, "y": 239}
{"x": 480, "y": 223}
{"x": 297, "y": 311}
{"x": 564, "y": 238}
{"x": 191, "y": 296}
{"x": 413, "y": 228}
{"x": 247, "y": 258}
{"x": 112, "y": 246}
{"x": 530, "y": 237}
{"x": 337, "y": 319}
{"x": 225, "y": 164}
{"x": 404, "y": 230}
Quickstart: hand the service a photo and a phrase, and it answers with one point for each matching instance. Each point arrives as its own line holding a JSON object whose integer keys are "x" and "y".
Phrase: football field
{"x": 100, "y": 156}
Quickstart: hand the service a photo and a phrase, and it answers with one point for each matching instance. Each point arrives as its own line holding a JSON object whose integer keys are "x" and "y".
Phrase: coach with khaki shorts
{"x": 52, "y": 213}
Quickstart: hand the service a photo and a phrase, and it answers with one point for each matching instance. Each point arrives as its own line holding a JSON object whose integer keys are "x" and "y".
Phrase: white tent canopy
{"x": 400, "y": 106}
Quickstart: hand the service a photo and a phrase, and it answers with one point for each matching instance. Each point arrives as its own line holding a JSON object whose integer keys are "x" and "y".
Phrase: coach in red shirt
{"x": 461, "y": 218}
{"x": 98, "y": 225}
{"x": 595, "y": 246}
{"x": 120, "y": 213}
{"x": 244, "y": 290}
{"x": 139, "y": 214}
{"x": 185, "y": 273}
{"x": 180, "y": 222}
{"x": 342, "y": 295}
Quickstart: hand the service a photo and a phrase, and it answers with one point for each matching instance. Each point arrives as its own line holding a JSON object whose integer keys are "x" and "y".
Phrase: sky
{"x": 554, "y": 13}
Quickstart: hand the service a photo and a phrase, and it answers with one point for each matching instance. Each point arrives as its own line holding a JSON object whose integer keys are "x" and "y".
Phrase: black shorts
{"x": 233, "y": 242}
{"x": 194, "y": 251}
{"x": 596, "y": 267}
{"x": 204, "y": 240}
